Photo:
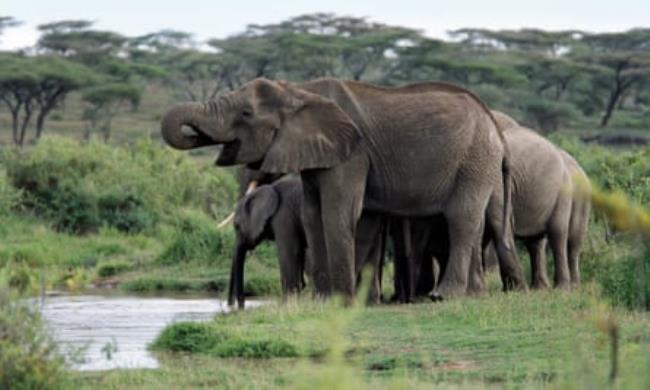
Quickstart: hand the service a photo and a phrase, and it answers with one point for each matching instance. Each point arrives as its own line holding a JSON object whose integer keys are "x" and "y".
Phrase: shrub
{"x": 196, "y": 238}
{"x": 548, "y": 115}
{"x": 263, "y": 285}
{"x": 208, "y": 339}
{"x": 187, "y": 337}
{"x": 112, "y": 268}
{"x": 125, "y": 212}
{"x": 28, "y": 358}
{"x": 81, "y": 187}
{"x": 9, "y": 195}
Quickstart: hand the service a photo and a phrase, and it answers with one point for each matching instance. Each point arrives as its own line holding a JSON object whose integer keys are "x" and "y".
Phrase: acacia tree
{"x": 17, "y": 84}
{"x": 103, "y": 104}
{"x": 7, "y": 22}
{"x": 624, "y": 59}
{"x": 37, "y": 86}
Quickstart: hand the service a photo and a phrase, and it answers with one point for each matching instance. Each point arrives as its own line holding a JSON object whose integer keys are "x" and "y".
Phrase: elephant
{"x": 273, "y": 212}
{"x": 545, "y": 205}
{"x": 270, "y": 212}
{"x": 249, "y": 180}
{"x": 415, "y": 150}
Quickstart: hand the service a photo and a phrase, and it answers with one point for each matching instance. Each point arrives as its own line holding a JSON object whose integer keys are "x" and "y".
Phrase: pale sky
{"x": 208, "y": 19}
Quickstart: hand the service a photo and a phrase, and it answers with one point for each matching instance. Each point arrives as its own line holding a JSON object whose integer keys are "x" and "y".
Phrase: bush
{"x": 9, "y": 195}
{"x": 263, "y": 285}
{"x": 548, "y": 115}
{"x": 28, "y": 358}
{"x": 81, "y": 187}
{"x": 187, "y": 337}
{"x": 112, "y": 268}
{"x": 208, "y": 339}
{"x": 196, "y": 238}
{"x": 619, "y": 279}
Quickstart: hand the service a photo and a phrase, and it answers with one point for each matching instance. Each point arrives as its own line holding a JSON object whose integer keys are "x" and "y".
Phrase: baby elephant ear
{"x": 261, "y": 205}
{"x": 315, "y": 133}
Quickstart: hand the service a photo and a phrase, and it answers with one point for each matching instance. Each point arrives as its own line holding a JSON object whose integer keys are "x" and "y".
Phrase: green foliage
{"x": 112, "y": 268}
{"x": 28, "y": 357}
{"x": 204, "y": 338}
{"x": 9, "y": 195}
{"x": 263, "y": 285}
{"x": 196, "y": 238}
{"x": 548, "y": 115}
{"x": 81, "y": 187}
{"x": 619, "y": 273}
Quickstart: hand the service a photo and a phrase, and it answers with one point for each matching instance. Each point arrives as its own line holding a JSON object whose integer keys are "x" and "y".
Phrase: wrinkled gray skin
{"x": 421, "y": 149}
{"x": 544, "y": 179}
{"x": 545, "y": 208}
{"x": 270, "y": 212}
{"x": 273, "y": 212}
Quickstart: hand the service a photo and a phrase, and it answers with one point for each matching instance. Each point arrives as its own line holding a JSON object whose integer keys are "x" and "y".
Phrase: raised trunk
{"x": 204, "y": 119}
{"x": 236, "y": 289}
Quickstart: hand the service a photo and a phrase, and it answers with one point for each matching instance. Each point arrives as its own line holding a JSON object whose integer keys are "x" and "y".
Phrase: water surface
{"x": 109, "y": 331}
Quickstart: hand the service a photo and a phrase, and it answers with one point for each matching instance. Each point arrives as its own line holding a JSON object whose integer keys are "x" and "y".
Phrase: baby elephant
{"x": 271, "y": 212}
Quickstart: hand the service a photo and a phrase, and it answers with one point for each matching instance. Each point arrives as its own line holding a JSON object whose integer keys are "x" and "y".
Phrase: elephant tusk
{"x": 226, "y": 220}
{"x": 251, "y": 187}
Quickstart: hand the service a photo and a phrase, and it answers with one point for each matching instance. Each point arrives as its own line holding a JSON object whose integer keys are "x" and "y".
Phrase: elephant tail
{"x": 507, "y": 197}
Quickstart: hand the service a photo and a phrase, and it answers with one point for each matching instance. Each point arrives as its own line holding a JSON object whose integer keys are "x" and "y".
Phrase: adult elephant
{"x": 420, "y": 149}
{"x": 545, "y": 203}
{"x": 546, "y": 207}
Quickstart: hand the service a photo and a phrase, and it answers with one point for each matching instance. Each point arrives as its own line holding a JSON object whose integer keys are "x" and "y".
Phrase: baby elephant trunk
{"x": 236, "y": 289}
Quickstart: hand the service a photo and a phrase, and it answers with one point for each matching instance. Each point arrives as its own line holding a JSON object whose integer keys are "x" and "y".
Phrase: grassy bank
{"x": 530, "y": 340}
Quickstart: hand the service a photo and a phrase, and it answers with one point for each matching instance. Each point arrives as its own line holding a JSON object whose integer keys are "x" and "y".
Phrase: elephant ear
{"x": 260, "y": 206}
{"x": 315, "y": 133}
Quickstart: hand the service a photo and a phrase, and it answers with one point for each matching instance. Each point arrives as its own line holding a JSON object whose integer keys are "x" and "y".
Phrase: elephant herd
{"x": 427, "y": 165}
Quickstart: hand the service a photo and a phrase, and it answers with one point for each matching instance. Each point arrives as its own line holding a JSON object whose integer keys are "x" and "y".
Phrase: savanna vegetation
{"x": 89, "y": 197}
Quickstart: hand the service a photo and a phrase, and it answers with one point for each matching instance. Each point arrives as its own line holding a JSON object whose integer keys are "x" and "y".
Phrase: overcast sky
{"x": 214, "y": 18}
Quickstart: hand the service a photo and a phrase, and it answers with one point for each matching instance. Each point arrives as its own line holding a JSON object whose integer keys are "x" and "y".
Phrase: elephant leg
{"x": 574, "y": 249}
{"x": 400, "y": 230}
{"x": 291, "y": 255}
{"x": 512, "y": 275}
{"x": 369, "y": 243}
{"x": 463, "y": 220}
{"x": 341, "y": 192}
{"x": 311, "y": 212}
{"x": 558, "y": 239}
{"x": 476, "y": 282}
{"x": 537, "y": 252}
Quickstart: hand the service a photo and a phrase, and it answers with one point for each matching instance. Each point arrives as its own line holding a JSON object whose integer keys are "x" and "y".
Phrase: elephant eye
{"x": 246, "y": 113}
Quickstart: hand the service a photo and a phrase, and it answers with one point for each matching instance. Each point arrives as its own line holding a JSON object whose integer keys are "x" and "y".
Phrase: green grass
{"x": 542, "y": 339}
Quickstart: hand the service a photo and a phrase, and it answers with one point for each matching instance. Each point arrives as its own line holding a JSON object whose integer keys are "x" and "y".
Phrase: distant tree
{"x": 7, "y": 22}
{"x": 74, "y": 39}
{"x": 37, "y": 86}
{"x": 624, "y": 61}
{"x": 104, "y": 102}
{"x": 553, "y": 43}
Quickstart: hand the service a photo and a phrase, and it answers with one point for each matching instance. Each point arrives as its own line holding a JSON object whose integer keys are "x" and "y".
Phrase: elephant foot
{"x": 563, "y": 285}
{"x": 511, "y": 283}
{"x": 435, "y": 296}
{"x": 449, "y": 290}
{"x": 541, "y": 284}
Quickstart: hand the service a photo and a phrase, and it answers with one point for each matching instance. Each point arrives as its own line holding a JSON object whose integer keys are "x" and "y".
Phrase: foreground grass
{"x": 546, "y": 339}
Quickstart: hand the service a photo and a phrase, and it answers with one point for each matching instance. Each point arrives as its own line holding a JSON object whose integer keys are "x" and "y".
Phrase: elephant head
{"x": 272, "y": 125}
{"x": 252, "y": 219}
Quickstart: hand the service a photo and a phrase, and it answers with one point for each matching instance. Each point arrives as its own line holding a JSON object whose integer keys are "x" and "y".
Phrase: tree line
{"x": 547, "y": 79}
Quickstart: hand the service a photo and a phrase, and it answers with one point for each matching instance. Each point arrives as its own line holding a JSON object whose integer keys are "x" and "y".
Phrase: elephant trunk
{"x": 202, "y": 118}
{"x": 236, "y": 290}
